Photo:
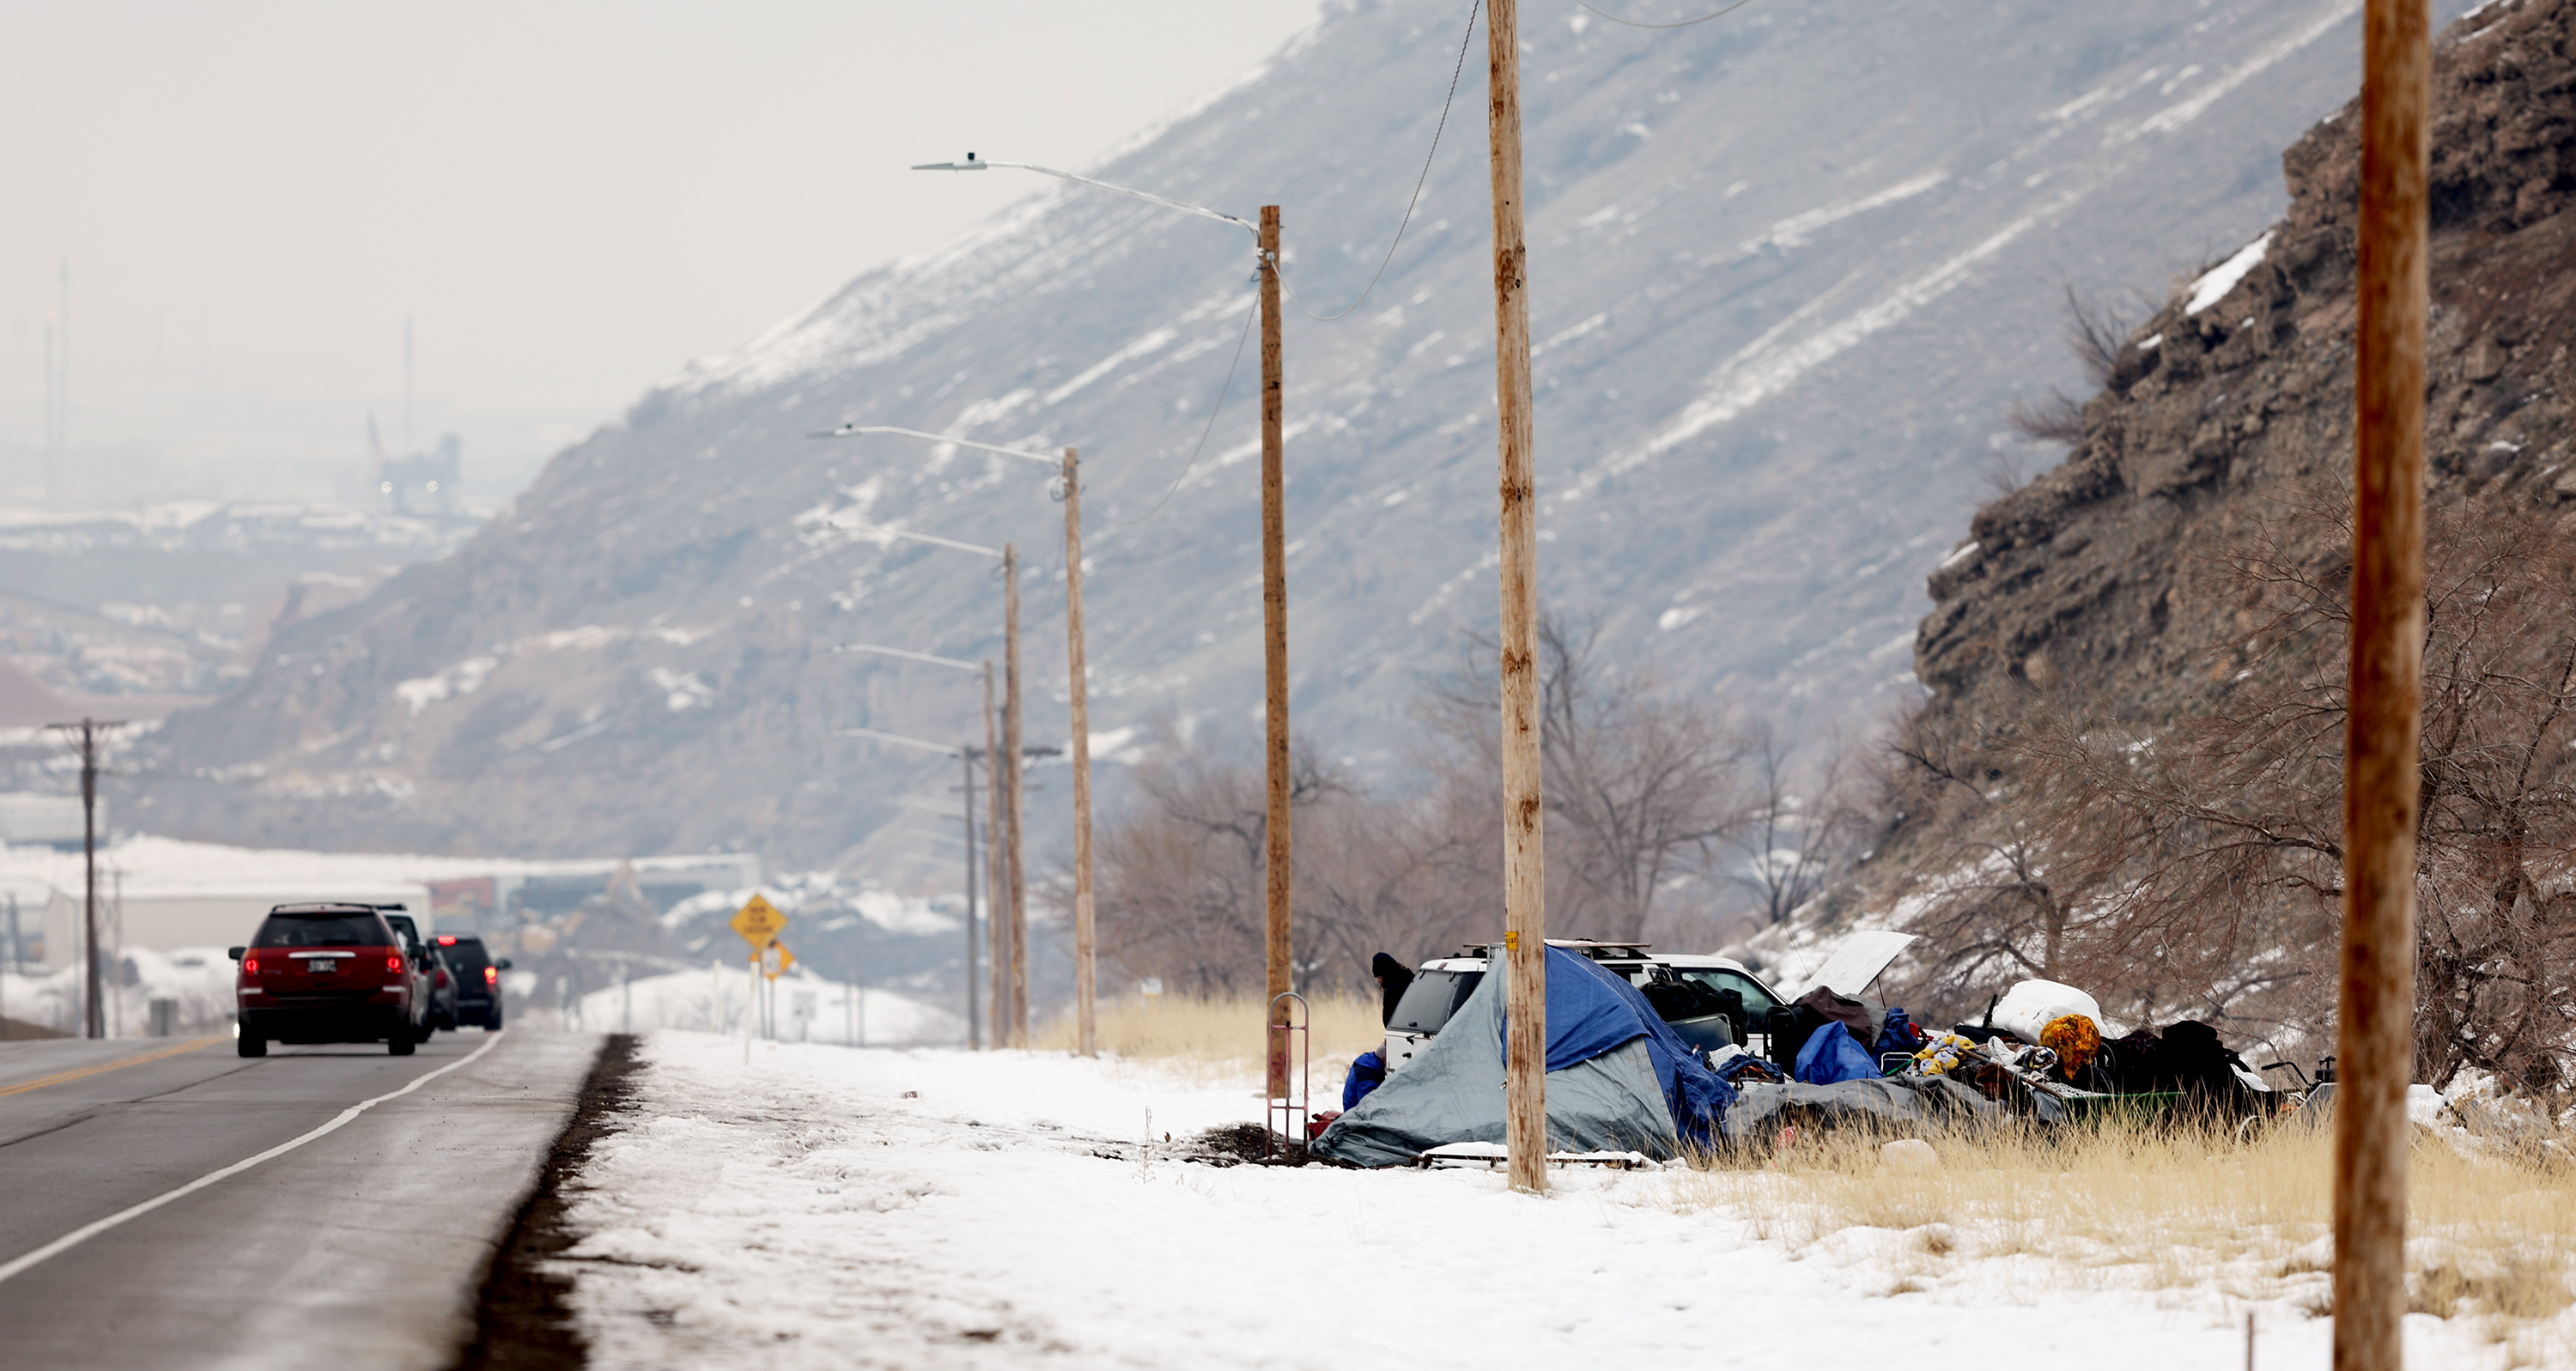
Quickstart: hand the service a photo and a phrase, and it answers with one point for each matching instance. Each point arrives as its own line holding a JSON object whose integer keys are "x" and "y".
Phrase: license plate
{"x": 322, "y": 968}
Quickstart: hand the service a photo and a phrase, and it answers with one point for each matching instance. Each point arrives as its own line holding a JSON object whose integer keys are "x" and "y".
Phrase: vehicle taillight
{"x": 442, "y": 978}
{"x": 394, "y": 962}
{"x": 250, "y": 966}
{"x": 447, "y": 940}
{"x": 491, "y": 975}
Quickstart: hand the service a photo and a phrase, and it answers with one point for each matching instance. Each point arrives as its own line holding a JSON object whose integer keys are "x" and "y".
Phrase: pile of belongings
{"x": 2040, "y": 1053}
{"x": 1618, "y": 1079}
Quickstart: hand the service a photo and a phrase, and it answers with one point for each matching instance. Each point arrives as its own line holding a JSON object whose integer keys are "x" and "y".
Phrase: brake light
{"x": 447, "y": 940}
{"x": 250, "y": 966}
{"x": 442, "y": 978}
{"x": 491, "y": 975}
{"x": 394, "y": 962}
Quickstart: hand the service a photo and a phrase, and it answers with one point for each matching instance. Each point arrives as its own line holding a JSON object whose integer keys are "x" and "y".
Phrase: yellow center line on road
{"x": 138, "y": 1059}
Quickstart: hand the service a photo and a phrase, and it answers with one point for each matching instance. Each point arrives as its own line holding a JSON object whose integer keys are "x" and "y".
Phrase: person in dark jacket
{"x": 1393, "y": 979}
{"x": 1368, "y": 1072}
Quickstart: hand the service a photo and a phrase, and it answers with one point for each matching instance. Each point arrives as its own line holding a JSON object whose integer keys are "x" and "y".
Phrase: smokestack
{"x": 60, "y": 441}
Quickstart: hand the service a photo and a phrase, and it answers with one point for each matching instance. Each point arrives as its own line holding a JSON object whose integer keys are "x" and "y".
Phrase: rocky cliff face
{"x": 2238, "y": 391}
{"x": 1788, "y": 269}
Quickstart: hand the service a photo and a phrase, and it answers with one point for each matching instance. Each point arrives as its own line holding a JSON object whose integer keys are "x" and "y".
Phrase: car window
{"x": 1432, "y": 998}
{"x": 464, "y": 958}
{"x": 1757, "y": 1003}
{"x": 325, "y": 930}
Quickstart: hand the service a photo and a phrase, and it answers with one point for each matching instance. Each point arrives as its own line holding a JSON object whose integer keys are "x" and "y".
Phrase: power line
{"x": 1221, "y": 393}
{"x": 1640, "y": 24}
{"x": 1473, "y": 9}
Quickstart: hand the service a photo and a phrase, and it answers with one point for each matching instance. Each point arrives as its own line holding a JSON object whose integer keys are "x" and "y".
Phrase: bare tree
{"x": 1641, "y": 787}
{"x": 1792, "y": 839}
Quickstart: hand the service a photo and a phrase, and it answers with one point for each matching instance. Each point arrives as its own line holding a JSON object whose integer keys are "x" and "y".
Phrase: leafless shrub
{"x": 2056, "y": 418}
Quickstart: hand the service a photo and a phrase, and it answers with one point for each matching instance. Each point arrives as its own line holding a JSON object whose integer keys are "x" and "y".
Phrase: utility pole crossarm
{"x": 974, "y": 163}
{"x": 860, "y": 430}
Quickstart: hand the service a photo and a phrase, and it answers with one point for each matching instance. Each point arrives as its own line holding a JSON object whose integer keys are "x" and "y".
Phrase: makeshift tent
{"x": 1618, "y": 1079}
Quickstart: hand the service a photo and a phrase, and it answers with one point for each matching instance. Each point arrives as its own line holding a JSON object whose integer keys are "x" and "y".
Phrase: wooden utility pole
{"x": 974, "y": 1019}
{"x": 94, "y": 1007}
{"x": 1524, "y": 811}
{"x": 1086, "y": 1037}
{"x": 997, "y": 926}
{"x": 2376, "y": 1014}
{"x": 1017, "y": 810}
{"x": 1274, "y": 652}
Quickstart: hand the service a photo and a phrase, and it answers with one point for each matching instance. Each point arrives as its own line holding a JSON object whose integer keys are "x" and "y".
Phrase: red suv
{"x": 328, "y": 973}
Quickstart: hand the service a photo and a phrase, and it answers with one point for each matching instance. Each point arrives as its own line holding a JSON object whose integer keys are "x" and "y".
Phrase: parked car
{"x": 436, "y": 982}
{"x": 1708, "y": 1001}
{"x": 328, "y": 973}
{"x": 478, "y": 979}
{"x": 1444, "y": 983}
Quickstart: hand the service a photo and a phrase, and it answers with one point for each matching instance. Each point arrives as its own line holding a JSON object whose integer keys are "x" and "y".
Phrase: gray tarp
{"x": 1893, "y": 1104}
{"x": 1453, "y": 1092}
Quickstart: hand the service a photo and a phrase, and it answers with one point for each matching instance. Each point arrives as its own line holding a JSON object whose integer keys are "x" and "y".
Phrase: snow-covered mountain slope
{"x": 1789, "y": 267}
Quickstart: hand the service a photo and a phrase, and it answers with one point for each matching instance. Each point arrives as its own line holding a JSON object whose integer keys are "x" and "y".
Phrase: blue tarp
{"x": 1592, "y": 1009}
{"x": 1832, "y": 1055}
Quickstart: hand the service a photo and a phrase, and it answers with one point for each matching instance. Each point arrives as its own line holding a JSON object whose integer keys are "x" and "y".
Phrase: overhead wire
{"x": 1474, "y": 8}
{"x": 1213, "y": 410}
{"x": 1683, "y": 24}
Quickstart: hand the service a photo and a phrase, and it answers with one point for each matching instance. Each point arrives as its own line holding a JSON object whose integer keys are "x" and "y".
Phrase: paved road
{"x": 361, "y": 1248}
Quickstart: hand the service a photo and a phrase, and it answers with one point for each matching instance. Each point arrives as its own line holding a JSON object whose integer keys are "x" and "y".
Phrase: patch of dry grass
{"x": 1224, "y": 1036}
{"x": 2491, "y": 1236}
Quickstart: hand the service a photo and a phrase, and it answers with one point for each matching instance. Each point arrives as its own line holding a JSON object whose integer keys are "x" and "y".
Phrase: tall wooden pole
{"x": 997, "y": 926}
{"x": 2376, "y": 1019}
{"x": 1010, "y": 766}
{"x": 1274, "y": 652}
{"x": 1086, "y": 1038}
{"x": 94, "y": 1017}
{"x": 1524, "y": 812}
{"x": 974, "y": 1016}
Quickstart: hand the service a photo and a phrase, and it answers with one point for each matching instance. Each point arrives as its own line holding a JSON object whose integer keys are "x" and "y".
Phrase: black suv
{"x": 477, "y": 978}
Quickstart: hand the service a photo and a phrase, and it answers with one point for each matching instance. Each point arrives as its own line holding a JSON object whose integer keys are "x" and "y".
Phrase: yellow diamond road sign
{"x": 759, "y": 922}
{"x": 775, "y": 959}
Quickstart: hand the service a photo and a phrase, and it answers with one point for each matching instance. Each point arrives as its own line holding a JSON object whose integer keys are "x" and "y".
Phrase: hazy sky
{"x": 569, "y": 200}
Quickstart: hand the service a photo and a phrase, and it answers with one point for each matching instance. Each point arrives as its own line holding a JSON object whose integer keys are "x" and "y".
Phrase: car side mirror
{"x": 235, "y": 952}
{"x": 501, "y": 965}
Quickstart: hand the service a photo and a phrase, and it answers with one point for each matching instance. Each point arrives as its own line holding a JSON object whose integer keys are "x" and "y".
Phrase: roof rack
{"x": 1597, "y": 951}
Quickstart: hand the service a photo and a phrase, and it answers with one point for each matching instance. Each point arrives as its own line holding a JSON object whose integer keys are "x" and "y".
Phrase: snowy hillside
{"x": 1789, "y": 268}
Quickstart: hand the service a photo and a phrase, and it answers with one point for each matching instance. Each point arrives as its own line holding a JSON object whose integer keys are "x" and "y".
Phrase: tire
{"x": 249, "y": 1046}
{"x": 402, "y": 1043}
{"x": 492, "y": 1021}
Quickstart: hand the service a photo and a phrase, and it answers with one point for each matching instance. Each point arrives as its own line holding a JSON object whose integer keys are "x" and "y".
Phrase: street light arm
{"x": 909, "y": 654}
{"x": 923, "y": 538}
{"x": 855, "y": 430}
{"x": 899, "y": 738}
{"x": 974, "y": 163}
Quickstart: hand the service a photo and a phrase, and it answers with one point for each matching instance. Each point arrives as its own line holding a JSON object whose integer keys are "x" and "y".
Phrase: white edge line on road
{"x": 87, "y": 1231}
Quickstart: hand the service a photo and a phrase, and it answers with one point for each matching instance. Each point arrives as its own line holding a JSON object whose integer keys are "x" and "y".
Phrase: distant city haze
{"x": 567, "y": 201}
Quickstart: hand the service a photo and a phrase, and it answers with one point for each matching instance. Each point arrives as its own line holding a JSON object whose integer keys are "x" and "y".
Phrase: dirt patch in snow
{"x": 521, "y": 1321}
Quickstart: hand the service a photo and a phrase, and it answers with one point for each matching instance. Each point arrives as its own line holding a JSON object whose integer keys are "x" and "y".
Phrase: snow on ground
{"x": 804, "y": 1008}
{"x": 798, "y": 1206}
{"x": 199, "y": 979}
